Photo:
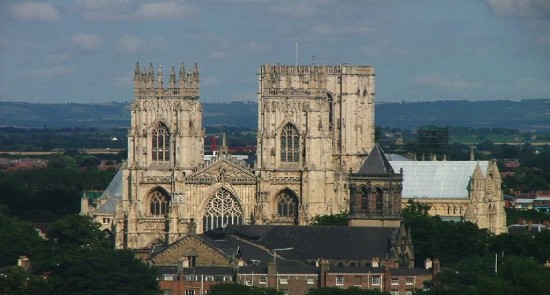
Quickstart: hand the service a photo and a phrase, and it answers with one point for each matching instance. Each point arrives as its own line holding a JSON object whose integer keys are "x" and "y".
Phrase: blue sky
{"x": 86, "y": 50}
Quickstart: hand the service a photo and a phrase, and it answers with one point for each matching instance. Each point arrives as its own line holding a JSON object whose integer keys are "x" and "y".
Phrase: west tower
{"x": 165, "y": 143}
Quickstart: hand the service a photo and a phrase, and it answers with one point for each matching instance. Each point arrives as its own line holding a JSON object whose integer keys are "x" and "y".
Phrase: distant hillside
{"x": 480, "y": 114}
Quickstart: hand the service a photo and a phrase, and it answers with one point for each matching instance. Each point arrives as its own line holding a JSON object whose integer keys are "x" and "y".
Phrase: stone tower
{"x": 165, "y": 143}
{"x": 375, "y": 193}
{"x": 314, "y": 125}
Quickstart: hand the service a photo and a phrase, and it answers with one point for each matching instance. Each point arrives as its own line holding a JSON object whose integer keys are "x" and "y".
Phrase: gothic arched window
{"x": 290, "y": 144}
{"x": 287, "y": 205}
{"x": 159, "y": 203}
{"x": 379, "y": 200}
{"x": 222, "y": 209}
{"x": 161, "y": 143}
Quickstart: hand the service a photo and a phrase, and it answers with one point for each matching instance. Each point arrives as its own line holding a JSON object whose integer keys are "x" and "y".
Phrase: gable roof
{"x": 314, "y": 242}
{"x": 376, "y": 163}
{"x": 437, "y": 179}
{"x": 223, "y": 169}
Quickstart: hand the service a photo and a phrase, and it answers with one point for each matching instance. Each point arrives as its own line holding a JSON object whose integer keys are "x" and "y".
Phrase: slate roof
{"x": 313, "y": 242}
{"x": 437, "y": 179}
{"x": 113, "y": 194}
{"x": 532, "y": 229}
{"x": 376, "y": 163}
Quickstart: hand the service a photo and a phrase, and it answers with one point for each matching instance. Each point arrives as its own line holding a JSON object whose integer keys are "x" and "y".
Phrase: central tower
{"x": 315, "y": 123}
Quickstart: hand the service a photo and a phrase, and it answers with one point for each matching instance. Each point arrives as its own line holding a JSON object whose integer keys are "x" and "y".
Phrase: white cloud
{"x": 166, "y": 10}
{"x": 34, "y": 11}
{"x": 521, "y": 8}
{"x": 51, "y": 72}
{"x": 437, "y": 81}
{"x": 87, "y": 41}
{"x": 134, "y": 44}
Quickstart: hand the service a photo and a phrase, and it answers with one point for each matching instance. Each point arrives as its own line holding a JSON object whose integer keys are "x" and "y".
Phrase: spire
{"x": 137, "y": 73}
{"x": 160, "y": 81}
{"x": 173, "y": 78}
{"x": 376, "y": 163}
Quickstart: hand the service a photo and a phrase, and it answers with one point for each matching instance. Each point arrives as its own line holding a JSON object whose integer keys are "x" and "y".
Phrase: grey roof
{"x": 376, "y": 163}
{"x": 313, "y": 242}
{"x": 113, "y": 194}
{"x": 437, "y": 179}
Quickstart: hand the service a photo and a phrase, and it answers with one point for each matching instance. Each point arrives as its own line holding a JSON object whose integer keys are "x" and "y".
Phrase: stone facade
{"x": 315, "y": 123}
{"x": 315, "y": 126}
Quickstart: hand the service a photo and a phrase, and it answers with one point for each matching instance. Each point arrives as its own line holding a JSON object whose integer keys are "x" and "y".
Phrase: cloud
{"x": 129, "y": 10}
{"x": 34, "y": 11}
{"x": 134, "y": 44}
{"x": 87, "y": 41}
{"x": 437, "y": 81}
{"x": 521, "y": 8}
{"x": 49, "y": 72}
{"x": 296, "y": 10}
{"x": 167, "y": 10}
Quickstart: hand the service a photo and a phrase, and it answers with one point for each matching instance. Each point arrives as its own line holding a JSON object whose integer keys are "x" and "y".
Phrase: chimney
{"x": 436, "y": 267}
{"x": 428, "y": 263}
{"x": 323, "y": 269}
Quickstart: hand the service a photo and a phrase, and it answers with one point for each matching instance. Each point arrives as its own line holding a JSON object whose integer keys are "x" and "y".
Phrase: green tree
{"x": 232, "y": 289}
{"x": 16, "y": 281}
{"x": 80, "y": 231}
{"x": 340, "y": 219}
{"x": 17, "y": 238}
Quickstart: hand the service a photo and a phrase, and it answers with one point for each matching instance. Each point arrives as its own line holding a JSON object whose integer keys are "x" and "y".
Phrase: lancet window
{"x": 222, "y": 209}
{"x": 290, "y": 144}
{"x": 160, "y": 203}
{"x": 378, "y": 202}
{"x": 161, "y": 143}
{"x": 364, "y": 199}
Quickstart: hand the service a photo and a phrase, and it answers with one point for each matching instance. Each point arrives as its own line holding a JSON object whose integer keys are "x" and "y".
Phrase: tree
{"x": 17, "y": 238}
{"x": 232, "y": 289}
{"x": 340, "y": 219}
{"x": 80, "y": 231}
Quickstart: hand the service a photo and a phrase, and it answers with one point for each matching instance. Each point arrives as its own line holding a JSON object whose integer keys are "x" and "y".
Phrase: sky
{"x": 85, "y": 51}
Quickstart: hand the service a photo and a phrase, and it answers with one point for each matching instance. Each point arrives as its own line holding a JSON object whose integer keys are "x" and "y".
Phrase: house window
{"x": 248, "y": 282}
{"x": 161, "y": 143}
{"x": 106, "y": 220}
{"x": 189, "y": 292}
{"x": 263, "y": 280}
{"x": 209, "y": 279}
{"x": 222, "y": 209}
{"x": 283, "y": 281}
{"x": 227, "y": 279}
{"x": 159, "y": 204}
{"x": 168, "y": 278}
{"x": 408, "y": 292}
{"x": 310, "y": 281}
{"x": 339, "y": 281}
{"x": 410, "y": 281}
{"x": 290, "y": 144}
{"x": 376, "y": 281}
{"x": 191, "y": 278}
{"x": 394, "y": 292}
{"x": 166, "y": 292}
{"x": 395, "y": 281}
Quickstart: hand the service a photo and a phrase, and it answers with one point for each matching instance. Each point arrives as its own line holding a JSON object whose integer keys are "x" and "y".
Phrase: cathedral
{"x": 315, "y": 130}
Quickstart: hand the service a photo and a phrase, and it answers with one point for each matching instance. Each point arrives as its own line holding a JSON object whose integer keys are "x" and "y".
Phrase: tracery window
{"x": 290, "y": 144}
{"x": 159, "y": 204}
{"x": 379, "y": 200}
{"x": 161, "y": 143}
{"x": 287, "y": 205}
{"x": 222, "y": 209}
